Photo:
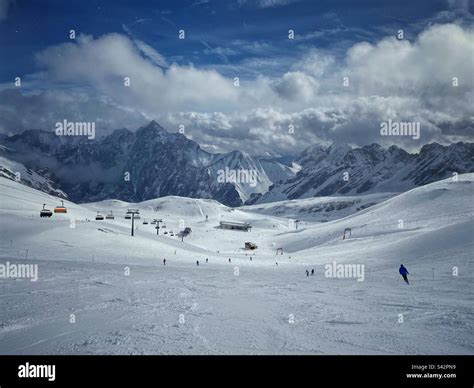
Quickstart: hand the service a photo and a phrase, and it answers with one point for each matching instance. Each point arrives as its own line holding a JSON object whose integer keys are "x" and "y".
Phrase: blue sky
{"x": 282, "y": 82}
{"x": 229, "y": 28}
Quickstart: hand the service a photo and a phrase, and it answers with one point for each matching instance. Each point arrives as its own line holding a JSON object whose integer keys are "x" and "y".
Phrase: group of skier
{"x": 402, "y": 270}
{"x": 197, "y": 261}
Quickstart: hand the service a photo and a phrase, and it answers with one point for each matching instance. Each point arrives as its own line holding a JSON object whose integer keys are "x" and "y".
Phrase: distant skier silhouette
{"x": 404, "y": 272}
{"x": 307, "y": 273}
{"x": 207, "y": 260}
{"x": 197, "y": 263}
{"x": 164, "y": 261}
{"x": 230, "y": 261}
{"x": 312, "y": 272}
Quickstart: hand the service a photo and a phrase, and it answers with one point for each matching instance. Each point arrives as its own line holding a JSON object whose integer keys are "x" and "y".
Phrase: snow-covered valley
{"x": 102, "y": 291}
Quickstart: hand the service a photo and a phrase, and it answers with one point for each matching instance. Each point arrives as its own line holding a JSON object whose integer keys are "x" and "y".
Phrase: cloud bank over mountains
{"x": 323, "y": 97}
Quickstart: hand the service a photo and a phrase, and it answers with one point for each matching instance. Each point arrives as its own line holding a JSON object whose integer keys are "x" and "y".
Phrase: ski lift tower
{"x": 157, "y": 227}
{"x": 133, "y": 212}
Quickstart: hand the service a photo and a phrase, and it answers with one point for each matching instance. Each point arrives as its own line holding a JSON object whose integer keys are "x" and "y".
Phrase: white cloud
{"x": 296, "y": 87}
{"x": 221, "y": 51}
{"x": 392, "y": 79}
{"x": 21, "y": 111}
{"x": 398, "y": 66}
{"x": 145, "y": 48}
{"x": 103, "y": 63}
{"x": 267, "y": 3}
{"x": 151, "y": 53}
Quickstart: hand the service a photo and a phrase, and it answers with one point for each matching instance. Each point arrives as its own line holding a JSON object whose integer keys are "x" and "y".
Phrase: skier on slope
{"x": 307, "y": 273}
{"x": 207, "y": 260}
{"x": 164, "y": 261}
{"x": 197, "y": 263}
{"x": 404, "y": 272}
{"x": 312, "y": 272}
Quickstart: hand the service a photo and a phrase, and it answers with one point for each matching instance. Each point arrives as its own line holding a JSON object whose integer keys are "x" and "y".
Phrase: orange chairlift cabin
{"x": 60, "y": 209}
{"x": 45, "y": 212}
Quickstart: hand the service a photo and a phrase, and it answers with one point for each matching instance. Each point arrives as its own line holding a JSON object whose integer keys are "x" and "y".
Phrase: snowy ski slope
{"x": 243, "y": 306}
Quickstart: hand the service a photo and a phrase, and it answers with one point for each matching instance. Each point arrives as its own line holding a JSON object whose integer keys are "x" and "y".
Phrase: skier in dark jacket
{"x": 404, "y": 272}
{"x": 312, "y": 272}
{"x": 197, "y": 263}
{"x": 307, "y": 273}
{"x": 164, "y": 261}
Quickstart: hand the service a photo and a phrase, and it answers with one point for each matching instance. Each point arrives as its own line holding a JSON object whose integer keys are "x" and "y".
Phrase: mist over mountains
{"x": 151, "y": 163}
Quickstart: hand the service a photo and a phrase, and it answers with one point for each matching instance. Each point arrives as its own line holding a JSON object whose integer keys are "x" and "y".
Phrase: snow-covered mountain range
{"x": 141, "y": 165}
{"x": 342, "y": 170}
{"x": 39, "y": 179}
{"x": 151, "y": 163}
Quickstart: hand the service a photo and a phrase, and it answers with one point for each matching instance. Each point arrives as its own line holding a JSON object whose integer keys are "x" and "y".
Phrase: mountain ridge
{"x": 369, "y": 169}
{"x": 152, "y": 162}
